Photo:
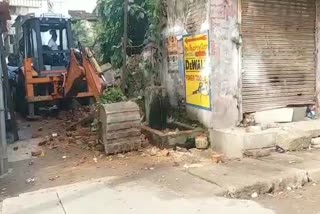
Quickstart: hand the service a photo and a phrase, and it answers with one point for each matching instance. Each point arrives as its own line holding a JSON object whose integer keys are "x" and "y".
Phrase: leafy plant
{"x": 113, "y": 95}
{"x": 83, "y": 33}
{"x": 143, "y": 24}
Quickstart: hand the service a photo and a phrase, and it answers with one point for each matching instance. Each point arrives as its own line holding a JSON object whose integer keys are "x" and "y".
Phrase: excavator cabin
{"x": 47, "y": 41}
{"x": 52, "y": 68}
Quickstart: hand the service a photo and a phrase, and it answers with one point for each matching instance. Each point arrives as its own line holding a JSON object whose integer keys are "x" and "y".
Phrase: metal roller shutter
{"x": 278, "y": 53}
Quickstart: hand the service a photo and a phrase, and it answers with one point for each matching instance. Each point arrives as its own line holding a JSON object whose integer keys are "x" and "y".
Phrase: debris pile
{"x": 76, "y": 130}
{"x": 136, "y": 80}
{"x": 86, "y": 139}
{"x": 187, "y": 156}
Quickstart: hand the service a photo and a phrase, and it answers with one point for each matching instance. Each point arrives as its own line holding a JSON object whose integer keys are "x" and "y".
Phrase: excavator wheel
{"x": 20, "y": 99}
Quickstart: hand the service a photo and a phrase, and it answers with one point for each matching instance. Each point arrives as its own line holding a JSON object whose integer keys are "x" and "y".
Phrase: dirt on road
{"x": 300, "y": 201}
{"x": 65, "y": 156}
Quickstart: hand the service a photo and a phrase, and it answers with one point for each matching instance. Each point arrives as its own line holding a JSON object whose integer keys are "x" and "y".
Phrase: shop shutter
{"x": 278, "y": 53}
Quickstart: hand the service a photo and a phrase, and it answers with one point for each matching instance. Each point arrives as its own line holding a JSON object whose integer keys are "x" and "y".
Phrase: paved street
{"x": 69, "y": 180}
{"x": 134, "y": 197}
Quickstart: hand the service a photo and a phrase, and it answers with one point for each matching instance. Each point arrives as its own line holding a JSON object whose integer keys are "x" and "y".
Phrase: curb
{"x": 292, "y": 179}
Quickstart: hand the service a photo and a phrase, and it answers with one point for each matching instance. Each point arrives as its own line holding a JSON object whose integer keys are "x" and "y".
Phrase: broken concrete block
{"x": 283, "y": 115}
{"x": 251, "y": 129}
{"x": 294, "y": 140}
{"x": 299, "y": 113}
{"x": 218, "y": 158}
{"x": 315, "y": 141}
{"x": 316, "y": 146}
{"x": 269, "y": 126}
{"x": 258, "y": 153}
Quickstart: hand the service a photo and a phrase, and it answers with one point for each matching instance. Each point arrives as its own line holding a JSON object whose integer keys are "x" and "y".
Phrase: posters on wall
{"x": 197, "y": 70}
{"x": 172, "y": 48}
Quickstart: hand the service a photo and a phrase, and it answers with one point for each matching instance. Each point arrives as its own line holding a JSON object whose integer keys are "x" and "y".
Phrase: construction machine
{"x": 52, "y": 68}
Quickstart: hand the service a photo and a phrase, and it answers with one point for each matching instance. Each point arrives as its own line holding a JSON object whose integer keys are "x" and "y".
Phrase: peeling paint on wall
{"x": 226, "y": 75}
{"x": 220, "y": 18}
{"x": 182, "y": 18}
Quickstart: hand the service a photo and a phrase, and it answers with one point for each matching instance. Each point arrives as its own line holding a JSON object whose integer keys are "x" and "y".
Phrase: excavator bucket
{"x": 87, "y": 69}
{"x": 120, "y": 127}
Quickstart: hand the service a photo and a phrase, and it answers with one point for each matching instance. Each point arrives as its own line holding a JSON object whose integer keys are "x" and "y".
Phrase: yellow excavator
{"x": 52, "y": 68}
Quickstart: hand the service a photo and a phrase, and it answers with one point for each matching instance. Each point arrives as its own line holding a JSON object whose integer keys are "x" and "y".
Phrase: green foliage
{"x": 144, "y": 19}
{"x": 113, "y": 95}
{"x": 83, "y": 33}
{"x": 156, "y": 12}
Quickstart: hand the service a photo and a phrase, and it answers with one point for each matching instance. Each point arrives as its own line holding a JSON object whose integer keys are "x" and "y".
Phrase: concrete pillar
{"x": 226, "y": 70}
{"x": 3, "y": 140}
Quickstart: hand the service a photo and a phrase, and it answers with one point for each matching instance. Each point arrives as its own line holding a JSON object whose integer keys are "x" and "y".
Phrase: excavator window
{"x": 55, "y": 48}
{"x": 61, "y": 39}
{"x": 48, "y": 42}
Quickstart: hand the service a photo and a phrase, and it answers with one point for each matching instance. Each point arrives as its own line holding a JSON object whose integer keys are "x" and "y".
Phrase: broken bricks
{"x": 43, "y": 142}
{"x": 36, "y": 153}
{"x": 218, "y": 158}
{"x": 30, "y": 180}
{"x": 154, "y": 151}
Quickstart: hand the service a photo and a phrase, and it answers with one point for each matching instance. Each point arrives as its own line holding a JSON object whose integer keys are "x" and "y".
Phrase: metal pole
{"x": 124, "y": 45}
{"x": 7, "y": 93}
{"x": 3, "y": 143}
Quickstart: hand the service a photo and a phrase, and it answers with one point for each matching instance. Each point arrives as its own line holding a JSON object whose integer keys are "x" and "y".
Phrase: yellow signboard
{"x": 197, "y": 70}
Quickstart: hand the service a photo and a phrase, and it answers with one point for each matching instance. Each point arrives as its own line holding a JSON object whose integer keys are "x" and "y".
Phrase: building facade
{"x": 261, "y": 55}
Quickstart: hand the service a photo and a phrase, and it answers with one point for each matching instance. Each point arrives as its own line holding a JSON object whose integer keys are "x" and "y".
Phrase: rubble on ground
{"x": 76, "y": 130}
{"x": 315, "y": 143}
{"x": 84, "y": 137}
{"x": 258, "y": 153}
{"x": 36, "y": 153}
{"x": 218, "y": 158}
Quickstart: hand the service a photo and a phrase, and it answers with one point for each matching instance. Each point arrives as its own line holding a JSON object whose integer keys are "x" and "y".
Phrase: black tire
{"x": 20, "y": 98}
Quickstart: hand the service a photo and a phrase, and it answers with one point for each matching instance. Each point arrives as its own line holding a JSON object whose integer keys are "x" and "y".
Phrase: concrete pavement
{"x": 193, "y": 188}
{"x": 143, "y": 196}
{"x": 274, "y": 173}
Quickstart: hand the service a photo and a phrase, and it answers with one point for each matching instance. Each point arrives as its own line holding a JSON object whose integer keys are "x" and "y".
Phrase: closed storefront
{"x": 278, "y": 53}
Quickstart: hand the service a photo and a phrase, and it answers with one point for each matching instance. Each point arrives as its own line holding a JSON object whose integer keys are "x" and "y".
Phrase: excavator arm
{"x": 83, "y": 67}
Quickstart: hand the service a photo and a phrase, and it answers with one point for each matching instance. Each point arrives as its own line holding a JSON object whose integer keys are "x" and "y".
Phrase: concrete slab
{"x": 143, "y": 197}
{"x": 310, "y": 127}
{"x": 241, "y": 179}
{"x": 263, "y": 139}
{"x": 305, "y": 160}
{"x": 40, "y": 203}
{"x": 283, "y": 115}
{"x": 299, "y": 114}
{"x": 233, "y": 142}
{"x": 91, "y": 197}
{"x": 293, "y": 140}
{"x": 291, "y": 136}
{"x": 227, "y": 142}
{"x": 146, "y": 198}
